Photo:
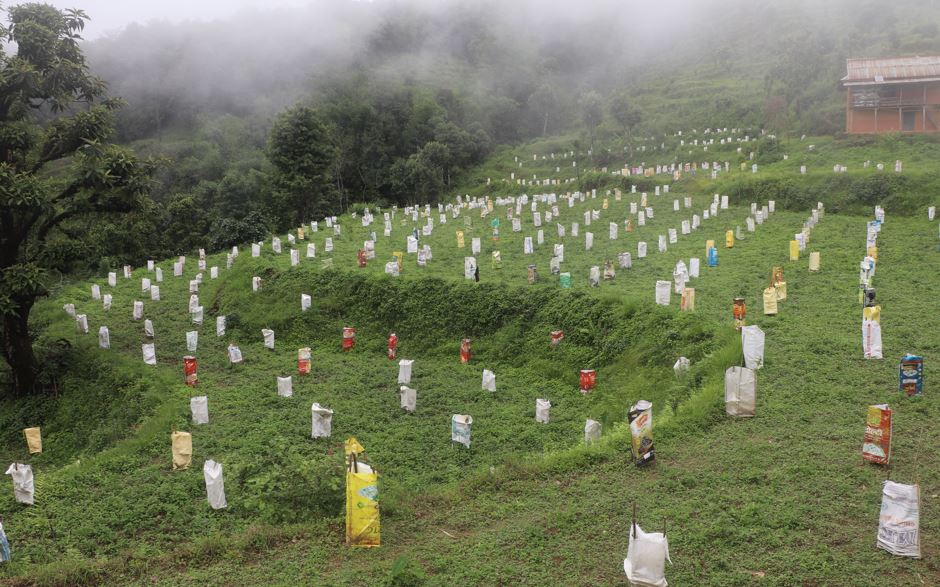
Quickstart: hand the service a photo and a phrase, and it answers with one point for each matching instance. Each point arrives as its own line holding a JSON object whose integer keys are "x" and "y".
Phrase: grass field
{"x": 780, "y": 499}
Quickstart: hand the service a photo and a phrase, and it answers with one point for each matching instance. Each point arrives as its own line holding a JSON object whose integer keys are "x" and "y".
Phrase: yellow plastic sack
{"x": 362, "y": 507}
{"x": 814, "y": 261}
{"x": 708, "y": 245}
{"x": 460, "y": 242}
{"x": 781, "y": 287}
{"x": 352, "y": 446}
{"x": 182, "y": 443}
{"x": 687, "y": 303}
{"x": 400, "y": 257}
{"x": 770, "y": 301}
{"x": 606, "y": 204}
{"x": 794, "y": 250}
{"x": 729, "y": 239}
{"x": 873, "y": 253}
{"x": 33, "y": 439}
{"x": 300, "y": 234}
{"x": 872, "y": 313}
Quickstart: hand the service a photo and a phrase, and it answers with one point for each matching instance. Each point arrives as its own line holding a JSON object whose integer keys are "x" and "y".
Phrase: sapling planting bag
{"x": 189, "y": 370}
{"x": 404, "y": 371}
{"x": 138, "y": 310}
{"x": 465, "y": 353}
{"x": 489, "y": 380}
{"x": 641, "y": 250}
{"x": 694, "y": 265}
{"x": 911, "y": 375}
{"x": 592, "y": 431}
{"x": 106, "y": 301}
{"x": 304, "y": 302}
{"x": 33, "y": 439}
{"x": 4, "y": 546}
{"x": 285, "y": 386}
{"x": 23, "y": 487}
{"x": 588, "y": 379}
{"x": 408, "y": 398}
{"x": 662, "y": 292}
{"x": 687, "y": 303}
{"x": 197, "y": 315}
{"x": 770, "y": 301}
{"x": 81, "y": 323}
{"x": 215, "y": 487}
{"x": 640, "y": 418}
{"x": 814, "y": 261}
{"x": 148, "y": 328}
{"x": 681, "y": 366}
{"x": 460, "y": 429}
{"x": 104, "y": 337}
{"x": 268, "y": 335}
{"x": 876, "y": 446}
{"x": 899, "y": 522}
{"x": 349, "y": 338}
{"x": 542, "y": 408}
{"x": 112, "y": 279}
{"x": 740, "y": 391}
{"x": 220, "y": 326}
{"x": 256, "y": 283}
{"x": 752, "y": 342}
{"x": 192, "y": 341}
{"x": 155, "y": 293}
{"x": 95, "y": 292}
{"x": 199, "y": 406}
{"x": 182, "y": 445}
{"x": 469, "y": 267}
{"x": 871, "y": 332}
{"x": 150, "y": 354}
{"x": 234, "y": 354}
{"x": 304, "y": 362}
{"x": 322, "y": 421}
{"x": 647, "y": 554}
{"x": 362, "y": 505}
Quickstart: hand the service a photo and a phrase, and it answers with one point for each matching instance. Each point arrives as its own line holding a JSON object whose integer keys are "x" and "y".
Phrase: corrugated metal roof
{"x": 892, "y": 69}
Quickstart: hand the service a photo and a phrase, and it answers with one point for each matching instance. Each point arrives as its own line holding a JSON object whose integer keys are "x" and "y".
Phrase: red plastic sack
{"x": 349, "y": 338}
{"x": 361, "y": 255}
{"x": 588, "y": 379}
{"x": 392, "y": 346}
{"x": 303, "y": 361}
{"x": 189, "y": 370}
{"x": 557, "y": 335}
{"x": 465, "y": 351}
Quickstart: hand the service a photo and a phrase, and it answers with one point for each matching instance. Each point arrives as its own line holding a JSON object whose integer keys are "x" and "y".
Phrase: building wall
{"x": 887, "y": 120}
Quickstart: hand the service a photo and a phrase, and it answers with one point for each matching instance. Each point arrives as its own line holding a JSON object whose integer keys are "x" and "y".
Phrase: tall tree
{"x": 622, "y": 110}
{"x": 300, "y": 146}
{"x": 592, "y": 113}
{"x": 56, "y": 166}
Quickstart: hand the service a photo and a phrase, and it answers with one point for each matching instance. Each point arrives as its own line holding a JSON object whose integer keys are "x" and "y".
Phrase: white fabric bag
{"x": 663, "y": 292}
{"x": 681, "y": 366}
{"x": 155, "y": 293}
{"x": 104, "y": 337}
{"x": 740, "y": 391}
{"x": 81, "y": 323}
{"x": 592, "y": 431}
{"x": 641, "y": 250}
{"x": 234, "y": 354}
{"x": 409, "y": 398}
{"x": 404, "y": 371}
{"x": 193, "y": 302}
{"x": 159, "y": 273}
{"x": 276, "y": 244}
{"x": 192, "y": 340}
{"x": 646, "y": 558}
{"x": 199, "y": 406}
{"x": 255, "y": 283}
{"x": 138, "y": 310}
{"x": 542, "y": 407}
{"x": 268, "y": 335}
{"x": 144, "y": 284}
{"x": 322, "y": 421}
{"x": 112, "y": 279}
{"x": 304, "y": 302}
{"x": 311, "y": 250}
{"x": 22, "y": 482}
{"x": 899, "y": 522}
{"x": 489, "y": 380}
{"x": 150, "y": 354}
{"x": 106, "y": 301}
{"x": 213, "y": 272}
{"x": 588, "y": 241}
{"x": 662, "y": 243}
{"x": 460, "y": 429}
{"x": 95, "y": 292}
{"x": 220, "y": 326}
{"x": 285, "y": 386}
{"x": 752, "y": 341}
{"x": 475, "y": 246}
{"x": 197, "y": 315}
{"x": 694, "y": 265}
{"x": 148, "y": 328}
{"x": 294, "y": 257}
{"x": 215, "y": 487}
{"x": 469, "y": 267}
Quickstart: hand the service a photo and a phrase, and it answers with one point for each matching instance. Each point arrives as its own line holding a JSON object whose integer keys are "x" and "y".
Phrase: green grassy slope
{"x": 785, "y": 493}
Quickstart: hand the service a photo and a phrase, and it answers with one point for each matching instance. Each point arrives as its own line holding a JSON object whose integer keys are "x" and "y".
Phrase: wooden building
{"x": 900, "y": 94}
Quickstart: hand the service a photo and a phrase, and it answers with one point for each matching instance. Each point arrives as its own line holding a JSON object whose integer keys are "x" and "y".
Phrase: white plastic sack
{"x": 662, "y": 293}
{"x": 95, "y": 292}
{"x": 155, "y": 293}
{"x": 404, "y": 371}
{"x": 322, "y": 421}
{"x": 197, "y": 315}
{"x": 646, "y": 558}
{"x": 220, "y": 326}
{"x": 159, "y": 273}
{"x": 268, "y": 335}
{"x": 304, "y": 302}
{"x": 112, "y": 279}
{"x": 106, "y": 301}
{"x": 215, "y": 487}
{"x": 871, "y": 332}
{"x": 81, "y": 323}
{"x": 144, "y": 284}
{"x": 489, "y": 380}
{"x": 255, "y": 283}
{"x": 193, "y": 302}
{"x": 469, "y": 267}
{"x": 311, "y": 250}
{"x": 752, "y": 340}
{"x": 294, "y": 257}
{"x": 899, "y": 522}
{"x": 662, "y": 243}
{"x": 409, "y": 398}
{"x": 138, "y": 310}
{"x": 192, "y": 340}
{"x": 542, "y": 407}
{"x": 150, "y": 354}
{"x": 285, "y": 386}
{"x": 740, "y": 391}
{"x": 199, "y": 406}
{"x": 148, "y": 328}
{"x": 694, "y": 265}
{"x": 641, "y": 250}
{"x": 391, "y": 268}
{"x": 681, "y": 366}
{"x": 234, "y": 354}
{"x": 22, "y": 482}
{"x": 475, "y": 246}
{"x": 460, "y": 429}
{"x": 592, "y": 431}
{"x": 104, "y": 337}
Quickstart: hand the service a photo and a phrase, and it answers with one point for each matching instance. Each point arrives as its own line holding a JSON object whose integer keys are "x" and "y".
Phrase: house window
{"x": 888, "y": 92}
{"x": 909, "y": 120}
